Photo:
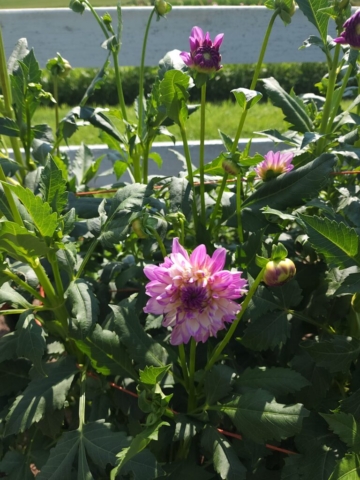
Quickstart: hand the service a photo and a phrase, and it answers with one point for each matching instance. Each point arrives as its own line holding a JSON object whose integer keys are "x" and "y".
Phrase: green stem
{"x": 7, "y": 95}
{"x": 238, "y": 209}
{"x": 27, "y": 144}
{"x": 24, "y": 285}
{"x": 182, "y": 231}
{"x": 311, "y": 321}
{"x": 192, "y": 360}
{"x": 55, "y": 268}
{"x": 339, "y": 98}
{"x": 255, "y": 77}
{"x": 89, "y": 252}
{"x": 189, "y": 169}
{"x": 9, "y": 197}
{"x": 82, "y": 399}
{"x": 218, "y": 201}
{"x": 202, "y": 154}
{"x": 160, "y": 242}
{"x": 328, "y": 100}
{"x": 146, "y": 161}
{"x": 56, "y": 96}
{"x": 183, "y": 365}
{"x": 220, "y": 347}
{"x": 141, "y": 76}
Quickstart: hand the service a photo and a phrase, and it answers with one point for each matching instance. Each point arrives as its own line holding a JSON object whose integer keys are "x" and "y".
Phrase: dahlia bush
{"x": 204, "y": 325}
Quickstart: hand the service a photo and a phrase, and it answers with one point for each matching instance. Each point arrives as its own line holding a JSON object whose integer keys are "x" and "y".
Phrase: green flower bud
{"x": 288, "y": 6}
{"x": 278, "y": 273}
{"x": 231, "y": 167}
{"x": 138, "y": 228}
{"x": 77, "y": 6}
{"x": 58, "y": 66}
{"x": 162, "y": 7}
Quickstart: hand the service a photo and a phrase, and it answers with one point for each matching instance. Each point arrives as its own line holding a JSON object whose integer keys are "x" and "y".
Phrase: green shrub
{"x": 300, "y": 76}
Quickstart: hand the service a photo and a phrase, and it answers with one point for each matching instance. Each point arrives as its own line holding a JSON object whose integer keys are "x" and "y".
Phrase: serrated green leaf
{"x": 144, "y": 350}
{"x": 31, "y": 340}
{"x": 292, "y": 107}
{"x": 348, "y": 468}
{"x": 143, "y": 466}
{"x": 8, "y": 346}
{"x": 351, "y": 404}
{"x": 225, "y": 460}
{"x": 217, "y": 383}
{"x": 173, "y": 90}
{"x": 267, "y": 332}
{"x": 106, "y": 353}
{"x": 96, "y": 439}
{"x": 257, "y": 415}
{"x": 337, "y": 242}
{"x": 246, "y": 98}
{"x": 14, "y": 376}
{"x": 9, "y": 295}
{"x": 276, "y": 380}
{"x": 345, "y": 426}
{"x": 41, "y": 396}
{"x": 21, "y": 244}
{"x": 312, "y": 10}
{"x": 152, "y": 375}
{"x": 9, "y": 127}
{"x": 45, "y": 220}
{"x": 136, "y": 446}
{"x": 84, "y": 165}
{"x": 53, "y": 186}
{"x": 336, "y": 355}
{"x": 83, "y": 307}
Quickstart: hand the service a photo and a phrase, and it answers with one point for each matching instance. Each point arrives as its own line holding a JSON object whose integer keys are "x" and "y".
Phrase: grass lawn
{"x": 113, "y": 3}
{"x": 222, "y": 115}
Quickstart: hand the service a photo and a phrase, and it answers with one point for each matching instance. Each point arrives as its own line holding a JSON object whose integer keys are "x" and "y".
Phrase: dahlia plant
{"x": 205, "y": 325}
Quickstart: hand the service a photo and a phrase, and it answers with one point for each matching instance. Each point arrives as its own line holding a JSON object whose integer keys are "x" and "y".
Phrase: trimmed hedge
{"x": 300, "y": 76}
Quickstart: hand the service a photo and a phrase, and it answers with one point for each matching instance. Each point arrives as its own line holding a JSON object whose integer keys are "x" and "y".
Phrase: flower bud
{"x": 138, "y": 228}
{"x": 231, "y": 167}
{"x": 162, "y": 7}
{"x": 288, "y": 7}
{"x": 58, "y": 66}
{"x": 278, "y": 273}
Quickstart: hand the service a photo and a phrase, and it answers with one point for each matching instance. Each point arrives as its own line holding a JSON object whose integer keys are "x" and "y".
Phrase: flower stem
{"x": 56, "y": 96}
{"x": 189, "y": 169}
{"x": 184, "y": 368}
{"x": 238, "y": 208}
{"x": 160, "y": 242}
{"x": 24, "y": 285}
{"x": 220, "y": 347}
{"x": 218, "y": 201}
{"x": 255, "y": 77}
{"x": 191, "y": 402}
{"x": 141, "y": 76}
{"x": 7, "y": 95}
{"x": 9, "y": 197}
{"x": 87, "y": 257}
{"x": 339, "y": 98}
{"x": 328, "y": 100}
{"x": 82, "y": 399}
{"x": 202, "y": 154}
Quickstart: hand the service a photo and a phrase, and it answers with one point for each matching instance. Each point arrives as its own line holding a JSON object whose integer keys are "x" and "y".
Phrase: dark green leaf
{"x": 276, "y": 380}
{"x": 31, "y": 340}
{"x": 9, "y": 295}
{"x": 259, "y": 417}
{"x": 16, "y": 466}
{"x": 106, "y": 353}
{"x": 351, "y": 404}
{"x": 143, "y": 466}
{"x": 267, "y": 332}
{"x": 225, "y": 460}
{"x": 345, "y": 426}
{"x": 246, "y": 98}
{"x": 337, "y": 242}
{"x": 83, "y": 307}
{"x": 174, "y": 95}
{"x": 41, "y": 397}
{"x": 144, "y": 350}
{"x": 336, "y": 354}
{"x": 292, "y": 106}
{"x": 53, "y": 186}
{"x": 9, "y": 127}
{"x": 217, "y": 383}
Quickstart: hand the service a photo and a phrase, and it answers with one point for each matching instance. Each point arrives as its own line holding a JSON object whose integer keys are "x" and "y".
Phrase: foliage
{"x": 93, "y": 384}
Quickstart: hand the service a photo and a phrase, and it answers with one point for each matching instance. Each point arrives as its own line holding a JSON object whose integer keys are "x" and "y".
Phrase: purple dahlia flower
{"x": 274, "y": 164}
{"x": 194, "y": 293}
{"x": 351, "y": 34}
{"x": 204, "y": 55}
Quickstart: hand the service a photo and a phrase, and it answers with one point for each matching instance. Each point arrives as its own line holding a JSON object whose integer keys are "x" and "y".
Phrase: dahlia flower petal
{"x": 198, "y": 257}
{"x": 218, "y": 40}
{"x": 197, "y": 34}
{"x": 186, "y": 58}
{"x": 218, "y": 260}
{"x": 177, "y": 248}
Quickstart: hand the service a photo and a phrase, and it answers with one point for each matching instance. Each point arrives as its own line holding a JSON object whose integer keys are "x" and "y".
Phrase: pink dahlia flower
{"x": 204, "y": 55}
{"x": 274, "y": 164}
{"x": 351, "y": 34}
{"x": 194, "y": 293}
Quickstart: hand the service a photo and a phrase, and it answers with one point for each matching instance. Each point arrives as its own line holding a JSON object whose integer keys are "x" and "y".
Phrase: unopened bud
{"x": 231, "y": 167}
{"x": 77, "y": 6}
{"x": 138, "y": 228}
{"x": 286, "y": 6}
{"x": 162, "y": 7}
{"x": 278, "y": 273}
{"x": 58, "y": 66}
